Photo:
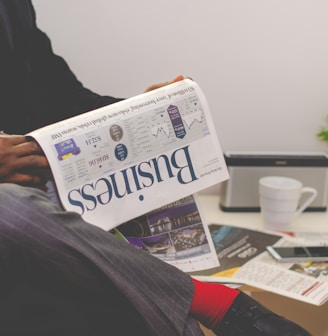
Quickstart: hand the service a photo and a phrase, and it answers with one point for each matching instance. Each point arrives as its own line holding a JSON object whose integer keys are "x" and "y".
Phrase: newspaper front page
{"x": 243, "y": 259}
{"x": 118, "y": 162}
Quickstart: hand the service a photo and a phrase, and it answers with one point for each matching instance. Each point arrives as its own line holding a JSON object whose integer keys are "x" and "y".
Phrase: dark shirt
{"x": 36, "y": 86}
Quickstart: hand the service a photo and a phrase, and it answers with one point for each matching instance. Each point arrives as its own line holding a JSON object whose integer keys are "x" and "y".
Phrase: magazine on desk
{"x": 243, "y": 259}
{"x": 174, "y": 233}
{"x": 118, "y": 162}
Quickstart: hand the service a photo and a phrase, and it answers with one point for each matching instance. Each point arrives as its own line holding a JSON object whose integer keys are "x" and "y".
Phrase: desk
{"x": 307, "y": 221}
{"x": 313, "y": 318}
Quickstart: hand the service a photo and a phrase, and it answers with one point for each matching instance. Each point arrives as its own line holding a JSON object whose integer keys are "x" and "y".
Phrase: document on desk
{"x": 243, "y": 259}
{"x": 118, "y": 162}
{"x": 310, "y": 238}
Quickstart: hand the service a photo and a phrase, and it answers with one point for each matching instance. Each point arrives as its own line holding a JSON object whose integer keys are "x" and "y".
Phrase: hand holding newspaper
{"x": 120, "y": 161}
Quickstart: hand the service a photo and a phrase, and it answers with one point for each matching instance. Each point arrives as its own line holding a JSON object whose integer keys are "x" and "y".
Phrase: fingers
{"x": 177, "y": 79}
{"x": 32, "y": 161}
{"x": 13, "y": 139}
{"x": 22, "y": 161}
{"x": 15, "y": 147}
{"x": 23, "y": 179}
{"x": 18, "y": 156}
{"x": 159, "y": 85}
{"x": 19, "y": 144}
{"x": 27, "y": 148}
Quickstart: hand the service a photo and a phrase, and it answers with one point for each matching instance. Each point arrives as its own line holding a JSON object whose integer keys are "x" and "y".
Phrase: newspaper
{"x": 118, "y": 162}
{"x": 243, "y": 259}
{"x": 175, "y": 233}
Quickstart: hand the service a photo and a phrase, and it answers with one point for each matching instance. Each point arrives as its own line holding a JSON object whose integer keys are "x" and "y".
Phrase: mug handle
{"x": 313, "y": 194}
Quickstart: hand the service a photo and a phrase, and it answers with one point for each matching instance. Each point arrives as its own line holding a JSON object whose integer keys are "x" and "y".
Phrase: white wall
{"x": 263, "y": 64}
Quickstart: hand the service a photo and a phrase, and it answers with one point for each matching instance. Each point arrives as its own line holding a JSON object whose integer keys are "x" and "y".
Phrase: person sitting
{"x": 59, "y": 274}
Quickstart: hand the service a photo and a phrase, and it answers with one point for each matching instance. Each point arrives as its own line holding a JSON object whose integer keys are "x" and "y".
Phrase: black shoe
{"x": 246, "y": 317}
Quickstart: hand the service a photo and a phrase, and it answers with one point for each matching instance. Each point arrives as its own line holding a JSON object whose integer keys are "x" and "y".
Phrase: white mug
{"x": 280, "y": 201}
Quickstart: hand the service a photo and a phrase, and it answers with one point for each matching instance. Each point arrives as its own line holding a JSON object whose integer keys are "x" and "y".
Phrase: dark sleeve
{"x": 54, "y": 81}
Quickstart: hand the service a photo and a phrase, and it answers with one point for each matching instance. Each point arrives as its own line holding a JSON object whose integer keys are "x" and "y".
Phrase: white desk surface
{"x": 313, "y": 318}
{"x": 307, "y": 221}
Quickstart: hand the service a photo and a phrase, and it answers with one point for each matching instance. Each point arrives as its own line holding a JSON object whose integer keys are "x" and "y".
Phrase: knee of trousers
{"x": 20, "y": 208}
{"x": 15, "y": 198}
{"x": 9, "y": 194}
{"x": 8, "y": 191}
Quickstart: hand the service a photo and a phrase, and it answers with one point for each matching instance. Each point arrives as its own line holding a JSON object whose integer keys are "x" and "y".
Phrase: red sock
{"x": 211, "y": 301}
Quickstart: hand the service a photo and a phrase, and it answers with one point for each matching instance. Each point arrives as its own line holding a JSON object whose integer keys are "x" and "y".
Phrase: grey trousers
{"x": 55, "y": 254}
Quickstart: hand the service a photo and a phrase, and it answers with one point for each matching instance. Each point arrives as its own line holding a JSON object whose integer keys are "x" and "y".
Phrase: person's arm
{"x": 51, "y": 87}
{"x": 52, "y": 91}
{"x": 60, "y": 86}
{"x": 75, "y": 96}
